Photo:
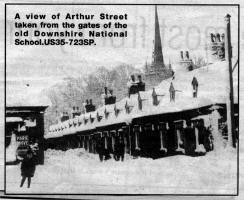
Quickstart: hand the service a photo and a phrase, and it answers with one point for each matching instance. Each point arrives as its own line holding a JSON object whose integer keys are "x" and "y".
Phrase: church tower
{"x": 157, "y": 50}
{"x": 156, "y": 71}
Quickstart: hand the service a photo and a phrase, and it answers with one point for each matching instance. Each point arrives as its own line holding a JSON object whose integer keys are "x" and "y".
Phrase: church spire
{"x": 157, "y": 51}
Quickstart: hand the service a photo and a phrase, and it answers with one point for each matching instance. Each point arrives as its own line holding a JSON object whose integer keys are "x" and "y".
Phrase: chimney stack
{"x": 217, "y": 47}
{"x": 109, "y": 98}
{"x": 140, "y": 84}
{"x": 89, "y": 107}
{"x": 186, "y": 62}
{"x": 64, "y": 117}
{"x": 75, "y": 112}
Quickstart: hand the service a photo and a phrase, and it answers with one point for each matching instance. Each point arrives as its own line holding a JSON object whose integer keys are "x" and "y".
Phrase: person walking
{"x": 28, "y": 167}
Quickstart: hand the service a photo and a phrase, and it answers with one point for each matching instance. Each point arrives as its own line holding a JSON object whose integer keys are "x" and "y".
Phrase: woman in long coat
{"x": 28, "y": 167}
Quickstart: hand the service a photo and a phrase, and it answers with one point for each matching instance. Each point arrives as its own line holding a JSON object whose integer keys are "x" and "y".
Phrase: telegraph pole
{"x": 230, "y": 101}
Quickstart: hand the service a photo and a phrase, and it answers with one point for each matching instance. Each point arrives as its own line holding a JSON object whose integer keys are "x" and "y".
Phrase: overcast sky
{"x": 182, "y": 28}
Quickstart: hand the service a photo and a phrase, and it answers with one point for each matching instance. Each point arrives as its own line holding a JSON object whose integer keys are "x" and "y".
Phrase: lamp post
{"x": 230, "y": 101}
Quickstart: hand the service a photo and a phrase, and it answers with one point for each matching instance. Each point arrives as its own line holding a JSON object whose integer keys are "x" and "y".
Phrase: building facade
{"x": 27, "y": 124}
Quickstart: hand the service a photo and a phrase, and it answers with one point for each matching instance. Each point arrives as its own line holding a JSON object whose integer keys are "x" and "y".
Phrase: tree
{"x": 199, "y": 62}
{"x": 74, "y": 91}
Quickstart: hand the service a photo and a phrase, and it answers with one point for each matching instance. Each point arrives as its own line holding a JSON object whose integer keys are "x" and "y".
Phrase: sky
{"x": 182, "y": 28}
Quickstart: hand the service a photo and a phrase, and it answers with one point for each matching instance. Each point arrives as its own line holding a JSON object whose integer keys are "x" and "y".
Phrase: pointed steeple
{"x": 157, "y": 51}
{"x": 157, "y": 71}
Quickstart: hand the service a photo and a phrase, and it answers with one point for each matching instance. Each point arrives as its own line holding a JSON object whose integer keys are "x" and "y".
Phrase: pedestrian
{"x": 190, "y": 140}
{"x": 201, "y": 132}
{"x": 100, "y": 148}
{"x": 120, "y": 150}
{"x": 106, "y": 147}
{"x": 194, "y": 86}
{"x": 28, "y": 167}
{"x": 171, "y": 139}
{"x": 172, "y": 92}
{"x": 116, "y": 148}
{"x": 204, "y": 136}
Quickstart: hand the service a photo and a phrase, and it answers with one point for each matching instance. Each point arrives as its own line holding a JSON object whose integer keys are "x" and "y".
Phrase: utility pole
{"x": 230, "y": 101}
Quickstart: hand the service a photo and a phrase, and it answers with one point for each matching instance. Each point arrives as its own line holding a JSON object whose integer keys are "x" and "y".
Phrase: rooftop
{"x": 212, "y": 89}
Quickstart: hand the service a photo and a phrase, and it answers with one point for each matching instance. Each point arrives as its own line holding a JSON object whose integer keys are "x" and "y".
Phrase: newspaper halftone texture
{"x": 122, "y": 99}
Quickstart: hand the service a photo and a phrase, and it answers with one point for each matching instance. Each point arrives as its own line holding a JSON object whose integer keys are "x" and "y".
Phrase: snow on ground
{"x": 76, "y": 171}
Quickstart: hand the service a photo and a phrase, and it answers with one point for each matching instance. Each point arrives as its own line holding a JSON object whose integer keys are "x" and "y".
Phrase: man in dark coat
{"x": 28, "y": 167}
{"x": 171, "y": 139}
{"x": 120, "y": 149}
{"x": 204, "y": 136}
{"x": 116, "y": 144}
{"x": 201, "y": 133}
{"x": 100, "y": 148}
{"x": 106, "y": 143}
{"x": 190, "y": 140}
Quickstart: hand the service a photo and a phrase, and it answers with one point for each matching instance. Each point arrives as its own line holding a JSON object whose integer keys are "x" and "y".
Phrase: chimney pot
{"x": 223, "y": 37}
{"x": 105, "y": 90}
{"x": 213, "y": 37}
{"x": 218, "y": 37}
{"x": 187, "y": 54}
{"x": 139, "y": 78}
{"x": 181, "y": 55}
{"x": 155, "y": 97}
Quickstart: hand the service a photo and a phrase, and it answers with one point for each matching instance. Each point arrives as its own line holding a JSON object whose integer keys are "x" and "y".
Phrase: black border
{"x": 34, "y": 195}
